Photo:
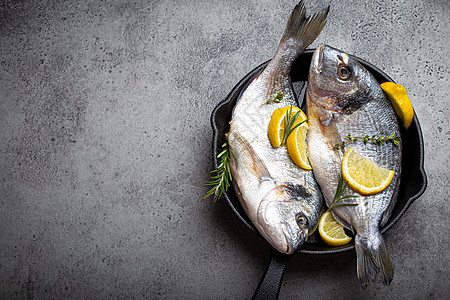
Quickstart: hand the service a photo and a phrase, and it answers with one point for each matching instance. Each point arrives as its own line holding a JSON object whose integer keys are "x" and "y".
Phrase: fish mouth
{"x": 293, "y": 245}
{"x": 281, "y": 235}
{"x": 282, "y": 243}
{"x": 317, "y": 59}
{"x": 316, "y": 69}
{"x": 289, "y": 246}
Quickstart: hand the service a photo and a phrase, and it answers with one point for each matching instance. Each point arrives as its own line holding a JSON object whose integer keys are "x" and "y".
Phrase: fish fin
{"x": 234, "y": 173}
{"x": 387, "y": 213}
{"x": 342, "y": 221}
{"x": 372, "y": 259}
{"x": 258, "y": 168}
{"x": 304, "y": 29}
{"x": 237, "y": 182}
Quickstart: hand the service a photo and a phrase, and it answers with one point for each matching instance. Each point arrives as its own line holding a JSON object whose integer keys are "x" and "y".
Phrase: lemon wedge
{"x": 363, "y": 175}
{"x": 331, "y": 231}
{"x": 278, "y": 123}
{"x": 297, "y": 148}
{"x": 396, "y": 93}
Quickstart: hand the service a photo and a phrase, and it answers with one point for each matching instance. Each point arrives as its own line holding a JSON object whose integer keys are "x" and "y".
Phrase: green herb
{"x": 289, "y": 122}
{"x": 381, "y": 140}
{"x": 277, "y": 99}
{"x": 338, "y": 195}
{"x": 221, "y": 181}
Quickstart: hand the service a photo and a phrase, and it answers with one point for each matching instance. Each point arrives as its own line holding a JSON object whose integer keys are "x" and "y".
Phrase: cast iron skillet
{"x": 413, "y": 179}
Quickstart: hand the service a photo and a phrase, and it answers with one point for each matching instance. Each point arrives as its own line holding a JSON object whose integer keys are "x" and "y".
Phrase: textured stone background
{"x": 106, "y": 142}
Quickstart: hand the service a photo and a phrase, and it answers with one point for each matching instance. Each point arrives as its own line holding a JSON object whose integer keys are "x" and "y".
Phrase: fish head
{"x": 337, "y": 82}
{"x": 287, "y": 217}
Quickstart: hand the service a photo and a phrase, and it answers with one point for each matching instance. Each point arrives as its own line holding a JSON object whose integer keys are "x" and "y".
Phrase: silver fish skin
{"x": 344, "y": 98}
{"x": 282, "y": 200}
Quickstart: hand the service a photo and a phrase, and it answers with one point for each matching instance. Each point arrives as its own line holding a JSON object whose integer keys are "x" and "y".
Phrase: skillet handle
{"x": 270, "y": 283}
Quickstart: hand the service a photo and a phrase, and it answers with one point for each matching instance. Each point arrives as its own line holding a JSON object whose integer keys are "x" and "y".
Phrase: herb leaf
{"x": 289, "y": 122}
{"x": 381, "y": 140}
{"x": 222, "y": 180}
{"x": 277, "y": 99}
{"x": 338, "y": 195}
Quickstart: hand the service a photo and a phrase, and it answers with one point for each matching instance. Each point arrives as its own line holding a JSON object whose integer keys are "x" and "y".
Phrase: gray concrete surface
{"x": 106, "y": 142}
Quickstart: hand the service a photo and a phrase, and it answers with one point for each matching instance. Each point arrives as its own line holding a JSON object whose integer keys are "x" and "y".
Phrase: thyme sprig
{"x": 380, "y": 140}
{"x": 222, "y": 180}
{"x": 277, "y": 99}
{"x": 337, "y": 200}
{"x": 289, "y": 121}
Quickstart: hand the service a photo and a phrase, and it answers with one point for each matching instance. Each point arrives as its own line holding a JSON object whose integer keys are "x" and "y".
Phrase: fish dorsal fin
{"x": 258, "y": 167}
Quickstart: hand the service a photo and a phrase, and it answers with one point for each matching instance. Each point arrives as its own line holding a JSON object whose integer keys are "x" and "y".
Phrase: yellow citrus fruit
{"x": 331, "y": 231}
{"x": 278, "y": 123}
{"x": 396, "y": 93}
{"x": 363, "y": 175}
{"x": 297, "y": 148}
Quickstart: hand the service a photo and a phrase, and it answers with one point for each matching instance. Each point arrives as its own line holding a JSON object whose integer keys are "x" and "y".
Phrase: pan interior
{"x": 413, "y": 179}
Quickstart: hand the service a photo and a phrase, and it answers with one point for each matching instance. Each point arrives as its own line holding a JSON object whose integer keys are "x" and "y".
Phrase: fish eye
{"x": 344, "y": 72}
{"x": 302, "y": 221}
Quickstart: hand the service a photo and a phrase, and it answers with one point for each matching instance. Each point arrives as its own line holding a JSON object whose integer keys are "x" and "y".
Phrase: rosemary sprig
{"x": 381, "y": 140}
{"x": 289, "y": 122}
{"x": 338, "y": 195}
{"x": 221, "y": 181}
{"x": 277, "y": 99}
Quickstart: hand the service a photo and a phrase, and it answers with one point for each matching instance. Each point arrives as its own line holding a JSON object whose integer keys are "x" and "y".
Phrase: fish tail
{"x": 304, "y": 30}
{"x": 372, "y": 259}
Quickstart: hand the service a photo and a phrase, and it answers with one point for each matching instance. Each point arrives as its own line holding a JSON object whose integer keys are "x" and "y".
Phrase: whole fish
{"x": 344, "y": 98}
{"x": 282, "y": 200}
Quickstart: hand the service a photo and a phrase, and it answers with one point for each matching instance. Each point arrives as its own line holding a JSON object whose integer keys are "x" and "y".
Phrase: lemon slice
{"x": 297, "y": 148}
{"x": 331, "y": 231}
{"x": 363, "y": 175}
{"x": 396, "y": 93}
{"x": 278, "y": 123}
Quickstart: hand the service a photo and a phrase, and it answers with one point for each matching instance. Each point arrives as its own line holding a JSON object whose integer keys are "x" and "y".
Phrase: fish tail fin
{"x": 304, "y": 30}
{"x": 372, "y": 259}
